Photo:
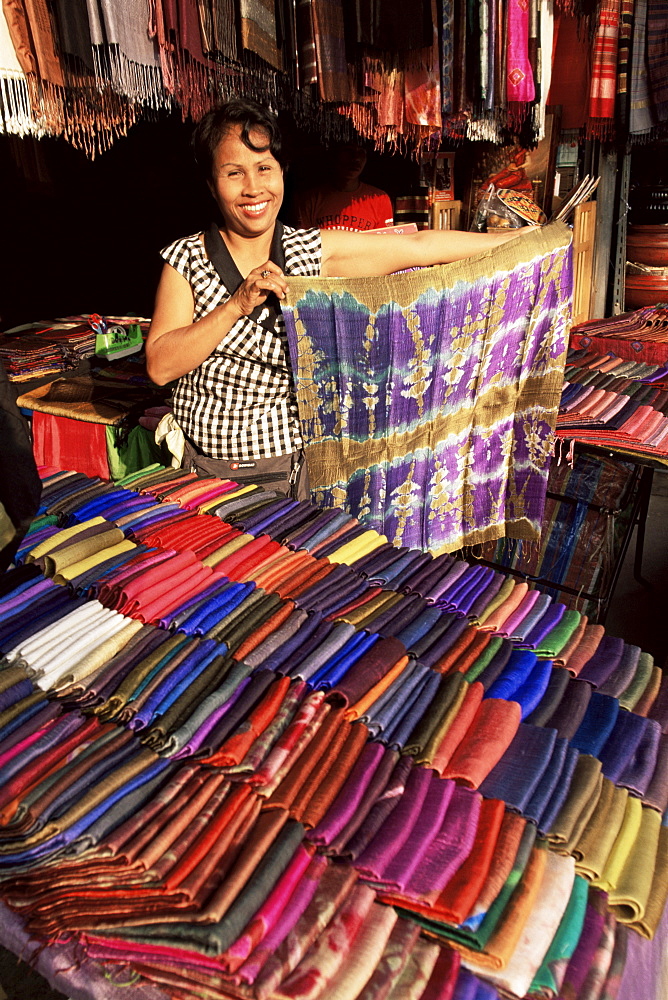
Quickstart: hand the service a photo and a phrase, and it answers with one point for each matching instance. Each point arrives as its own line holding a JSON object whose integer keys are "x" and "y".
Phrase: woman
{"x": 216, "y": 326}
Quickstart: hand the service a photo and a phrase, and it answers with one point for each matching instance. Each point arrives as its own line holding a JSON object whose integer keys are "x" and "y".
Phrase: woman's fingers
{"x": 261, "y": 282}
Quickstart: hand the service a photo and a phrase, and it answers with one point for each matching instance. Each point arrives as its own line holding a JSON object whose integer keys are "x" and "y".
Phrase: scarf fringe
{"x": 136, "y": 81}
{"x": 16, "y": 112}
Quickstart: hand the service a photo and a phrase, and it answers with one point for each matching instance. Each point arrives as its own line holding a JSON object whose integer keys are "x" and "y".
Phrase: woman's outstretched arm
{"x": 358, "y": 255}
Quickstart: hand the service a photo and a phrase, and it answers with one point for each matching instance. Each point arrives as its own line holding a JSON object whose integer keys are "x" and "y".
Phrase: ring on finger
{"x": 265, "y": 274}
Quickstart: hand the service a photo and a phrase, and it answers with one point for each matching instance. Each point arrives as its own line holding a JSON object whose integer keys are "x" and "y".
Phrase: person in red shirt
{"x": 345, "y": 201}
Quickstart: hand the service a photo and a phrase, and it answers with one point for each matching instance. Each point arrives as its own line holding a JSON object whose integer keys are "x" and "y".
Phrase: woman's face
{"x": 247, "y": 186}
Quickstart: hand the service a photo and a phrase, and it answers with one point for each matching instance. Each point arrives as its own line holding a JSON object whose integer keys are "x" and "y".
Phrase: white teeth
{"x": 255, "y": 209}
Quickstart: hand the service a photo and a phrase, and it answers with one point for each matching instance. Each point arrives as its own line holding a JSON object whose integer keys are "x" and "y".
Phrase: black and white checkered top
{"x": 239, "y": 403}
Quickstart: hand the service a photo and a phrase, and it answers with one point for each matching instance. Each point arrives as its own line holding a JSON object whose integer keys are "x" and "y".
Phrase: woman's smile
{"x": 247, "y": 183}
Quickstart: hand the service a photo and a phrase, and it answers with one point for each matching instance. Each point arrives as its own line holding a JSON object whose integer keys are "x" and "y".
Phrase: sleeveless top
{"x": 239, "y": 403}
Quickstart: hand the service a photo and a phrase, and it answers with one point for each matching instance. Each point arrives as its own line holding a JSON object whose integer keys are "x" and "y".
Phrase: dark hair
{"x": 218, "y": 122}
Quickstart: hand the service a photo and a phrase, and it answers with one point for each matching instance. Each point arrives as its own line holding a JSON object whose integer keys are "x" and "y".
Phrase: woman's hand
{"x": 254, "y": 290}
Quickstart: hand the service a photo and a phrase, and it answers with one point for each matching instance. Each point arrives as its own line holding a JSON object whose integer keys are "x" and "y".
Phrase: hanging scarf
{"x": 17, "y": 114}
{"x": 604, "y": 71}
{"x": 624, "y": 51}
{"x": 124, "y": 53}
{"x": 428, "y": 399}
{"x": 520, "y": 87}
{"x": 642, "y": 117}
{"x": 447, "y": 54}
{"x": 657, "y": 56}
{"x": 258, "y": 30}
{"x": 333, "y": 81}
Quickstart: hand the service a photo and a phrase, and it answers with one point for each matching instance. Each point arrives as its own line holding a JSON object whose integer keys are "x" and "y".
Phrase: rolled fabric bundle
{"x": 641, "y": 763}
{"x": 350, "y": 796}
{"x": 583, "y": 794}
{"x": 517, "y": 669}
{"x": 391, "y": 836}
{"x": 371, "y": 696}
{"x": 648, "y": 924}
{"x": 622, "y": 845}
{"x": 234, "y": 748}
{"x": 581, "y": 959}
{"x": 621, "y": 744}
{"x": 449, "y": 848}
{"x": 338, "y": 666}
{"x": 392, "y": 962}
{"x": 659, "y": 709}
{"x": 512, "y": 598}
{"x": 544, "y": 791}
{"x": 455, "y": 639}
{"x": 560, "y": 633}
{"x": 517, "y": 615}
{"x": 484, "y": 659}
{"x": 535, "y": 615}
{"x": 541, "y": 926}
{"x": 634, "y": 690}
{"x": 656, "y": 794}
{"x": 597, "y": 724}
{"x": 598, "y": 837}
{"x": 335, "y": 768}
{"x": 545, "y": 624}
{"x": 369, "y": 669}
{"x": 547, "y": 980}
{"x": 496, "y": 665}
{"x": 360, "y": 834}
{"x": 529, "y": 694}
{"x": 327, "y": 740}
{"x": 433, "y": 635}
{"x": 561, "y": 660}
{"x": 515, "y": 777}
{"x": 502, "y": 594}
{"x": 486, "y": 740}
{"x": 554, "y": 692}
{"x": 586, "y": 648}
{"x": 496, "y": 952}
{"x": 651, "y": 692}
{"x": 605, "y": 660}
{"x": 621, "y": 676}
{"x": 370, "y": 795}
{"x": 449, "y": 696}
{"x": 484, "y": 598}
{"x": 571, "y": 710}
{"x": 448, "y": 734}
{"x": 629, "y": 897}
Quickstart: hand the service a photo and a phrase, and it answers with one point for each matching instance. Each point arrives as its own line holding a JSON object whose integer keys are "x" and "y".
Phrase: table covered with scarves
{"x": 249, "y": 748}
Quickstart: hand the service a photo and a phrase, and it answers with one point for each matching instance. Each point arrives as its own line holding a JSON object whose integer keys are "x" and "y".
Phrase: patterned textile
{"x": 237, "y": 404}
{"x": 604, "y": 70}
{"x": 333, "y": 82}
{"x": 657, "y": 56}
{"x": 428, "y": 399}
{"x": 519, "y": 76}
{"x": 258, "y": 29}
{"x": 624, "y": 63}
{"x": 642, "y": 117}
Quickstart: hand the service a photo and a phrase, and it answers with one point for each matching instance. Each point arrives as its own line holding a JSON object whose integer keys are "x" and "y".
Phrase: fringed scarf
{"x": 217, "y": 21}
{"x": 307, "y": 67}
{"x": 642, "y": 117}
{"x": 447, "y": 54}
{"x": 604, "y": 72}
{"x": 189, "y": 77}
{"x": 74, "y": 104}
{"x": 520, "y": 86}
{"x": 258, "y": 30}
{"x": 428, "y": 399}
{"x": 17, "y": 114}
{"x": 657, "y": 56}
{"x": 124, "y": 53}
{"x": 330, "y": 48}
{"x": 624, "y": 50}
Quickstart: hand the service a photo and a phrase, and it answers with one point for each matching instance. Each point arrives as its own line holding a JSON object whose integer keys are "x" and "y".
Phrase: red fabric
{"x": 327, "y": 208}
{"x": 604, "y": 69}
{"x": 70, "y": 444}
{"x": 571, "y": 71}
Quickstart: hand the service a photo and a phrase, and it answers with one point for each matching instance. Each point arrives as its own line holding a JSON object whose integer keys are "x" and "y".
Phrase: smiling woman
{"x": 216, "y": 324}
